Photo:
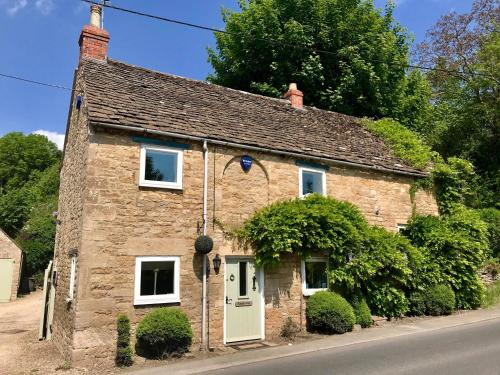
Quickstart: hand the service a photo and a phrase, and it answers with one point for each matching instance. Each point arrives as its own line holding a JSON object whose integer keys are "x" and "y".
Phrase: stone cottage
{"x": 152, "y": 161}
{"x": 11, "y": 259}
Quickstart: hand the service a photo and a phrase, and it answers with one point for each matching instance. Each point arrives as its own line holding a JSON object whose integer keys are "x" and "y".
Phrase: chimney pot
{"x": 95, "y": 16}
{"x": 94, "y": 40}
{"x": 296, "y": 96}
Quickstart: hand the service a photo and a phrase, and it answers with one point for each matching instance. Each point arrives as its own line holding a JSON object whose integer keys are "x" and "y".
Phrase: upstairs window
{"x": 312, "y": 181}
{"x": 156, "y": 280}
{"x": 161, "y": 167}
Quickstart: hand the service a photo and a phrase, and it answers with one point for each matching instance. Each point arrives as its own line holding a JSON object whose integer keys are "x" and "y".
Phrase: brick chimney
{"x": 94, "y": 40}
{"x": 296, "y": 96}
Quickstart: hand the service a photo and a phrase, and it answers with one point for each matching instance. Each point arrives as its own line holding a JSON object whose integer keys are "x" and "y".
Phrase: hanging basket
{"x": 203, "y": 244}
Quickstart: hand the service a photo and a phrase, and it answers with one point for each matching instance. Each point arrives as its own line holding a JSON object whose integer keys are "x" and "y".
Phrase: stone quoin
{"x": 138, "y": 188}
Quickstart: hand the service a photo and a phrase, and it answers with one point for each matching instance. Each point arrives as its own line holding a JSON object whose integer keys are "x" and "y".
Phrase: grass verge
{"x": 492, "y": 295}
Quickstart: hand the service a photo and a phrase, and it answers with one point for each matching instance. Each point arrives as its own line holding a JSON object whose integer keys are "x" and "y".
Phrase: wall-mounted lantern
{"x": 217, "y": 262}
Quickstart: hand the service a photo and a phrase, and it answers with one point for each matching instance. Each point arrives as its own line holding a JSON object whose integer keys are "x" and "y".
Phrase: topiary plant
{"x": 123, "y": 350}
{"x": 328, "y": 312}
{"x": 164, "y": 332}
{"x": 439, "y": 300}
{"x": 362, "y": 312}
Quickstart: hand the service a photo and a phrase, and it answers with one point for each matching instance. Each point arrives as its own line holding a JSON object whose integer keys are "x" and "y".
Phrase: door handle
{"x": 254, "y": 279}
{"x": 228, "y": 301}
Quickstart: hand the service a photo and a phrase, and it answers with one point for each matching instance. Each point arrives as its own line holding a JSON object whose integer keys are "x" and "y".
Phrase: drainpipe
{"x": 205, "y": 257}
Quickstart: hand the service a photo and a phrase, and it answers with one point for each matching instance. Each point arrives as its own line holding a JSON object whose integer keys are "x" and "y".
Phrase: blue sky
{"x": 38, "y": 40}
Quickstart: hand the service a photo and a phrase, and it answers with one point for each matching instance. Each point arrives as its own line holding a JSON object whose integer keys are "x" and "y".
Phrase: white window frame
{"x": 310, "y": 291}
{"x": 72, "y": 279}
{"x": 315, "y": 170}
{"x": 161, "y": 298}
{"x": 400, "y": 227}
{"x": 161, "y": 184}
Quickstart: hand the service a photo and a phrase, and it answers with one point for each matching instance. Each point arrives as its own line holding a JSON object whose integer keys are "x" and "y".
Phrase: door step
{"x": 249, "y": 345}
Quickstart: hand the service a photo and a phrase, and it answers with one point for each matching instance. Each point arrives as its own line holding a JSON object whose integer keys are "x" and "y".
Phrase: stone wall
{"x": 9, "y": 250}
{"x": 69, "y": 229}
{"x": 121, "y": 221}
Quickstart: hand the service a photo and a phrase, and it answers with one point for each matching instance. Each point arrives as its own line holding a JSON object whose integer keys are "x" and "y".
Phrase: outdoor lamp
{"x": 217, "y": 262}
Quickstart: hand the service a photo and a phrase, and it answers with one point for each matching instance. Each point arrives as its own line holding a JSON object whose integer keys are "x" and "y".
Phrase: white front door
{"x": 243, "y": 300}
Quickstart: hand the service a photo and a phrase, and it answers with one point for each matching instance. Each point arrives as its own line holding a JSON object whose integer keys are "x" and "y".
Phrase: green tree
{"x": 38, "y": 234}
{"x": 29, "y": 186}
{"x": 271, "y": 43}
{"x": 465, "y": 120}
{"x": 22, "y": 156}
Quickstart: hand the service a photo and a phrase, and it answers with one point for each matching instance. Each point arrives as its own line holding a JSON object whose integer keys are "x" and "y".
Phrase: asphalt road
{"x": 469, "y": 349}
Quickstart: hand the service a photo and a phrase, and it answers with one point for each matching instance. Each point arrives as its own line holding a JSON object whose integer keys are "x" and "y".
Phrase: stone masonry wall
{"x": 9, "y": 250}
{"x": 122, "y": 220}
{"x": 69, "y": 229}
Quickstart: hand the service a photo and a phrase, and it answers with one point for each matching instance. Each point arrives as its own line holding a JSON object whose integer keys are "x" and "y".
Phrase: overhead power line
{"x": 35, "y": 82}
{"x": 271, "y": 41}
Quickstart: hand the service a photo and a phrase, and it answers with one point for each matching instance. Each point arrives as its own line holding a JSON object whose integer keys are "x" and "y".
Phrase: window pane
{"x": 316, "y": 275}
{"x": 157, "y": 278}
{"x": 243, "y": 278}
{"x": 312, "y": 182}
{"x": 161, "y": 166}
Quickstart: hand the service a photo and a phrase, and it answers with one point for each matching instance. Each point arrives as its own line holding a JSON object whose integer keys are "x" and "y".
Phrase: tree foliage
{"x": 465, "y": 119}
{"x": 455, "y": 246}
{"x": 271, "y": 43}
{"x": 29, "y": 178}
{"x": 22, "y": 157}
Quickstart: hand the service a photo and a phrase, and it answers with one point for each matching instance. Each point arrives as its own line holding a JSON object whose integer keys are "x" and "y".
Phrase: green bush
{"x": 329, "y": 312}
{"x": 123, "y": 350}
{"x": 417, "y": 304}
{"x": 164, "y": 332}
{"x": 491, "y": 216}
{"x": 124, "y": 357}
{"x": 362, "y": 312}
{"x": 439, "y": 300}
{"x": 455, "y": 246}
{"x": 367, "y": 260}
{"x": 404, "y": 143}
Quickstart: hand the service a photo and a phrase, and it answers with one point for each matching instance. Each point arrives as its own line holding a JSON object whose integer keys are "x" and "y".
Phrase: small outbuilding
{"x": 10, "y": 268}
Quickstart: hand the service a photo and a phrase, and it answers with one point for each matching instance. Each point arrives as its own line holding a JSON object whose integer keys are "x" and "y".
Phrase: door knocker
{"x": 231, "y": 277}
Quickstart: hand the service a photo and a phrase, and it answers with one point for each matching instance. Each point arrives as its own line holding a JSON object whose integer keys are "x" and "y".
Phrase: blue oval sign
{"x": 246, "y": 162}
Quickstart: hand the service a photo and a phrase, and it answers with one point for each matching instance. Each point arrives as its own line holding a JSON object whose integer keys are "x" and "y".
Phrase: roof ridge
{"x": 280, "y": 100}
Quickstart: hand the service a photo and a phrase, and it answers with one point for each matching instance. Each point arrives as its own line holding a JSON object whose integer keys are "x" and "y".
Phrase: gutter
{"x": 258, "y": 149}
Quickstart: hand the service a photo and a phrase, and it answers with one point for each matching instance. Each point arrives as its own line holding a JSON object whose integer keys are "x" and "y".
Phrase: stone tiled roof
{"x": 122, "y": 94}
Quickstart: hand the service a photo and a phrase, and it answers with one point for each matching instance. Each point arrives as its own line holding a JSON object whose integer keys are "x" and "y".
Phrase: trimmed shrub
{"x": 124, "y": 357}
{"x": 439, "y": 300}
{"x": 123, "y": 350}
{"x": 328, "y": 312}
{"x": 362, "y": 312}
{"x": 164, "y": 332}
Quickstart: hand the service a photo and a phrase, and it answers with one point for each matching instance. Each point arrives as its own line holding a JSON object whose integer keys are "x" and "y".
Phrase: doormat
{"x": 250, "y": 345}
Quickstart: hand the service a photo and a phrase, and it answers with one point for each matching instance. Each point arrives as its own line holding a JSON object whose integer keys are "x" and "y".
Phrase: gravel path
{"x": 20, "y": 350}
